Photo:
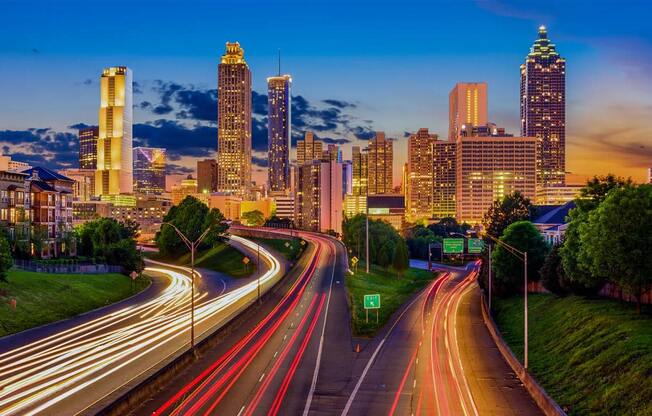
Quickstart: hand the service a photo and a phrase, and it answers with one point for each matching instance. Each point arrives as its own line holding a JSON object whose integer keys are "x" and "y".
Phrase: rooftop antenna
{"x": 279, "y": 62}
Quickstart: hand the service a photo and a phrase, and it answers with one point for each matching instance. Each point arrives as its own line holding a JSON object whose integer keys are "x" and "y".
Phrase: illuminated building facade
{"x": 207, "y": 176}
{"x": 359, "y": 159}
{"x": 149, "y": 170}
{"x": 308, "y": 149}
{"x": 88, "y": 147}
{"x": 418, "y": 193}
{"x": 332, "y": 153}
{"x": 234, "y": 122}
{"x": 318, "y": 203}
{"x": 467, "y": 103}
{"x": 114, "y": 143}
{"x": 388, "y": 208}
{"x": 444, "y": 162}
{"x": 489, "y": 168}
{"x": 279, "y": 132}
{"x": 543, "y": 108}
{"x": 381, "y": 163}
{"x": 84, "y": 187}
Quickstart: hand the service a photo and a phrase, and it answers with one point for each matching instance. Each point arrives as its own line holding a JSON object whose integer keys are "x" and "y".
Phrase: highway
{"x": 277, "y": 361}
{"x": 68, "y": 371}
{"x": 437, "y": 358}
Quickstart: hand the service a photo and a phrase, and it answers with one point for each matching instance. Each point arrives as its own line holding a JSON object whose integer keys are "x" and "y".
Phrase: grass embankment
{"x": 291, "y": 252}
{"x": 393, "y": 293}
{"x": 43, "y": 298}
{"x": 593, "y": 356}
{"x": 222, "y": 258}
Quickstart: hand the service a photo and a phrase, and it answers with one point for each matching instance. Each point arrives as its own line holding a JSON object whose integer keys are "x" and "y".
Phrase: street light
{"x": 521, "y": 255}
{"x": 192, "y": 245}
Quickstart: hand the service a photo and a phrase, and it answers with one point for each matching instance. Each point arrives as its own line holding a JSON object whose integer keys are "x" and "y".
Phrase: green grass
{"x": 43, "y": 298}
{"x": 393, "y": 293}
{"x": 593, "y": 356}
{"x": 222, "y": 258}
{"x": 292, "y": 252}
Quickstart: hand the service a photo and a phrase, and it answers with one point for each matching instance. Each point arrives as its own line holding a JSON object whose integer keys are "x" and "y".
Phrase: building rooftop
{"x": 45, "y": 174}
{"x": 553, "y": 214}
{"x": 386, "y": 201}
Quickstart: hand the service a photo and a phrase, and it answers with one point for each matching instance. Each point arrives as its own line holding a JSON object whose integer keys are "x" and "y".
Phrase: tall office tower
{"x": 543, "y": 108}
{"x": 347, "y": 177}
{"x": 467, "y": 104}
{"x": 149, "y": 170}
{"x": 443, "y": 178}
{"x": 418, "y": 194}
{"x": 207, "y": 176}
{"x": 308, "y": 149}
{"x": 332, "y": 152}
{"x": 489, "y": 167}
{"x": 114, "y": 174}
{"x": 88, "y": 147}
{"x": 381, "y": 164}
{"x": 318, "y": 204}
{"x": 233, "y": 122}
{"x": 279, "y": 132}
{"x": 359, "y": 159}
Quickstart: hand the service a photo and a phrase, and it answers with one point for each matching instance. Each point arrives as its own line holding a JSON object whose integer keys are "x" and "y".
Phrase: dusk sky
{"x": 356, "y": 67}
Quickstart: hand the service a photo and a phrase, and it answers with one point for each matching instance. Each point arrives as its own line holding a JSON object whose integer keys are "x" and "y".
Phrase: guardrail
{"x": 67, "y": 268}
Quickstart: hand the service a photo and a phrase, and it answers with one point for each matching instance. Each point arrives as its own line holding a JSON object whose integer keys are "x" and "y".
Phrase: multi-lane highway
{"x": 87, "y": 359}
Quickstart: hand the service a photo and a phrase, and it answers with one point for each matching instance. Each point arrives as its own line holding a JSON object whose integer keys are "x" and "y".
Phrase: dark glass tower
{"x": 279, "y": 132}
{"x": 88, "y": 147}
{"x": 149, "y": 170}
{"x": 543, "y": 108}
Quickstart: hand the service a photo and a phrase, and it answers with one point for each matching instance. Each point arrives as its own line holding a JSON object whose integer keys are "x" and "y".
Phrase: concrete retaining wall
{"x": 545, "y": 402}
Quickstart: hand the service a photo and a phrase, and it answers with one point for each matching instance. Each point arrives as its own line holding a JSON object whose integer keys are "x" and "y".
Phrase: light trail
{"x": 42, "y": 374}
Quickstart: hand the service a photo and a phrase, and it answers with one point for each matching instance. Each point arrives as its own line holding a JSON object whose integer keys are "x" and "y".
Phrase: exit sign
{"x": 453, "y": 245}
{"x": 372, "y": 301}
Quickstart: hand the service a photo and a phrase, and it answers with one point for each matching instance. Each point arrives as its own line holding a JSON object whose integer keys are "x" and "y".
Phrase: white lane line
{"x": 275, "y": 354}
{"x": 241, "y": 410}
{"x": 313, "y": 385}
{"x": 262, "y": 376}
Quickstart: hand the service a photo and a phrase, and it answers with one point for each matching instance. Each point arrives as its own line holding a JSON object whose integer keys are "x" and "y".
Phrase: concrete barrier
{"x": 541, "y": 398}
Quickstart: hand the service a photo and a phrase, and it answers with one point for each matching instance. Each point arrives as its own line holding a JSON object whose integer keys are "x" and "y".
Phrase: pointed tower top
{"x": 543, "y": 34}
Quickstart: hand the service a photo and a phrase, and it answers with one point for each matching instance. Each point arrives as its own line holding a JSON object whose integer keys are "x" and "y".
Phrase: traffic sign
{"x": 287, "y": 244}
{"x": 133, "y": 275}
{"x": 245, "y": 260}
{"x": 372, "y": 301}
{"x": 354, "y": 260}
{"x": 453, "y": 245}
{"x": 475, "y": 246}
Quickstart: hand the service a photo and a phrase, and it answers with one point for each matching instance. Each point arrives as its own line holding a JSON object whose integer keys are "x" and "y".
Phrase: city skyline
{"x": 170, "y": 111}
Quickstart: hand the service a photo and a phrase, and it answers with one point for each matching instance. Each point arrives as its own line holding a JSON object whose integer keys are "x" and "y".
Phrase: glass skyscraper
{"x": 543, "y": 108}
{"x": 149, "y": 170}
{"x": 279, "y": 132}
{"x": 88, "y": 147}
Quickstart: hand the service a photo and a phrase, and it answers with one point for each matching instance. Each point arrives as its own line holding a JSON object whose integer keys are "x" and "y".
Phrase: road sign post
{"x": 453, "y": 246}
{"x": 371, "y": 302}
{"x": 476, "y": 246}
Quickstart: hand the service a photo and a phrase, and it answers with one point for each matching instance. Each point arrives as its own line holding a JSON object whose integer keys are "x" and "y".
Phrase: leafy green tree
{"x": 448, "y": 225}
{"x": 597, "y": 189}
{"x": 401, "y": 260}
{"x": 552, "y": 272}
{"x": 508, "y": 268}
{"x": 386, "y": 254}
{"x": 353, "y": 236}
{"x": 253, "y": 218}
{"x": 6, "y": 261}
{"x": 616, "y": 241}
{"x": 418, "y": 239}
{"x": 506, "y": 211}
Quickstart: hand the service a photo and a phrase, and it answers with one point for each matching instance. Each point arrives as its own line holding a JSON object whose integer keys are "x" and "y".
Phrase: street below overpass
{"x": 79, "y": 365}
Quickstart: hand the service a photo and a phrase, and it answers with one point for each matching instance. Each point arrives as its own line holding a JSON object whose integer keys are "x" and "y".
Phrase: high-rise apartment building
{"x": 488, "y": 168}
{"x": 114, "y": 174}
{"x": 467, "y": 105}
{"x": 279, "y": 132}
{"x": 318, "y": 203}
{"x": 88, "y": 147}
{"x": 543, "y": 108}
{"x": 359, "y": 159}
{"x": 233, "y": 122}
{"x": 418, "y": 194}
{"x": 207, "y": 176}
{"x": 380, "y": 164}
{"x": 149, "y": 170}
{"x": 444, "y": 162}
{"x": 308, "y": 149}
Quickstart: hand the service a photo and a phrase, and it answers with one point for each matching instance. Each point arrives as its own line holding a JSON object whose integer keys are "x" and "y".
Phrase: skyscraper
{"x": 381, "y": 164}
{"x": 318, "y": 203}
{"x": 543, "y": 108}
{"x": 308, "y": 149}
{"x": 279, "y": 132}
{"x": 88, "y": 147}
{"x": 149, "y": 170}
{"x": 359, "y": 175}
{"x": 207, "y": 176}
{"x": 444, "y": 163}
{"x": 467, "y": 105}
{"x": 234, "y": 122}
{"x": 114, "y": 174}
{"x": 418, "y": 195}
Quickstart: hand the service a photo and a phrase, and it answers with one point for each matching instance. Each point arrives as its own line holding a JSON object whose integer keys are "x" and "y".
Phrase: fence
{"x": 75, "y": 268}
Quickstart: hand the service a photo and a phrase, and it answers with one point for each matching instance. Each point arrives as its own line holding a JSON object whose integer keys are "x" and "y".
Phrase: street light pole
{"x": 490, "y": 283}
{"x": 192, "y": 245}
{"x": 258, "y": 271}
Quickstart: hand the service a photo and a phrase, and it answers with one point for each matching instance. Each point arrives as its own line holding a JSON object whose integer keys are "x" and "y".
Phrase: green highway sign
{"x": 453, "y": 246}
{"x": 475, "y": 246}
{"x": 372, "y": 301}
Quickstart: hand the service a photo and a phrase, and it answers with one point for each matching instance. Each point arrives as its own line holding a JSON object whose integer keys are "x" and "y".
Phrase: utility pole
{"x": 490, "y": 284}
{"x": 367, "y": 216}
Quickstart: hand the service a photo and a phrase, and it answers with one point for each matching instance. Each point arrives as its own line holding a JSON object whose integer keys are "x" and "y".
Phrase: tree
{"x": 401, "y": 260}
{"x": 386, "y": 254}
{"x": 508, "y": 268}
{"x": 616, "y": 241}
{"x": 552, "y": 272}
{"x": 253, "y": 218}
{"x": 448, "y": 225}
{"x": 353, "y": 236}
{"x": 6, "y": 261}
{"x": 503, "y": 212}
{"x": 597, "y": 189}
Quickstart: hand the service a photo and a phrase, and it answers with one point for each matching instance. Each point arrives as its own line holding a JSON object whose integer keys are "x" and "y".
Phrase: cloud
{"x": 88, "y": 81}
{"x": 41, "y": 146}
{"x": 178, "y": 139}
{"x": 78, "y": 126}
{"x": 339, "y": 103}
{"x": 259, "y": 161}
{"x": 329, "y": 140}
{"x": 174, "y": 169}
